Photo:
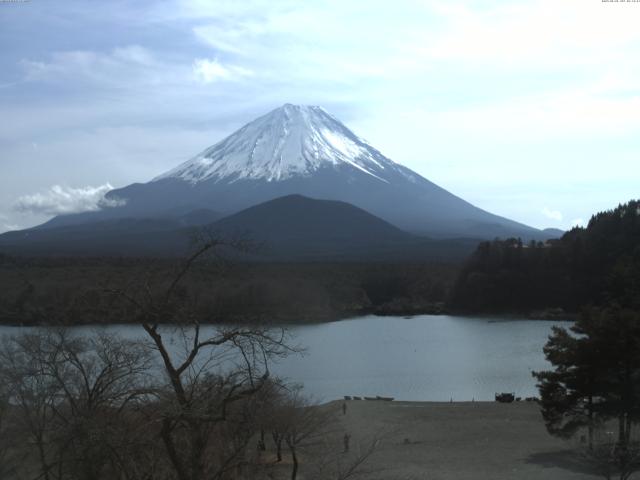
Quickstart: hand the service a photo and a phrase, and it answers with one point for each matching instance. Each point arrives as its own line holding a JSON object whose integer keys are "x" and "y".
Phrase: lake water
{"x": 426, "y": 357}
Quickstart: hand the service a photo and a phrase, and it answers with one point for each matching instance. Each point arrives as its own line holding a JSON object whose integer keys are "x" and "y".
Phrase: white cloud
{"x": 126, "y": 67}
{"x": 208, "y": 71}
{"x": 404, "y": 50}
{"x": 573, "y": 113}
{"x": 408, "y": 36}
{"x": 552, "y": 214}
{"x": 206, "y": 9}
{"x": 530, "y": 34}
{"x": 59, "y": 200}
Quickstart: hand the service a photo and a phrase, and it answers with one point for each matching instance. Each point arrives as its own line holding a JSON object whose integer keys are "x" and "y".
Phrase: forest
{"x": 74, "y": 291}
{"x": 592, "y": 266}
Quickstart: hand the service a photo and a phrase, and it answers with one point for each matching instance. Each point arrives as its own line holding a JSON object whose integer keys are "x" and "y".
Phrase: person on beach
{"x": 347, "y": 437}
{"x": 344, "y": 408}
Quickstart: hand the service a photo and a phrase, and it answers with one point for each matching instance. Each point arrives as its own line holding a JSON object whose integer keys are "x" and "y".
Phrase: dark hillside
{"x": 291, "y": 228}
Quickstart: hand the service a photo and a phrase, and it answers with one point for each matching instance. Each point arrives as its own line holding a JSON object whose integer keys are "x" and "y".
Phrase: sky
{"x": 528, "y": 109}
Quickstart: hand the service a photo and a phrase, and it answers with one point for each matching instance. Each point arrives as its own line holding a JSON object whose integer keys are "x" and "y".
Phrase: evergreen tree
{"x": 595, "y": 379}
{"x": 597, "y": 265}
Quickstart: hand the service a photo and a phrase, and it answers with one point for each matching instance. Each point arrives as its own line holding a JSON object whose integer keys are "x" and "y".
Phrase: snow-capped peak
{"x": 293, "y": 140}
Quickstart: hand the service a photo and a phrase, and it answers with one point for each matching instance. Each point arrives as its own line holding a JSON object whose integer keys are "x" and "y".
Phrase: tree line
{"x": 49, "y": 291}
{"x": 597, "y": 265}
{"x": 593, "y": 390}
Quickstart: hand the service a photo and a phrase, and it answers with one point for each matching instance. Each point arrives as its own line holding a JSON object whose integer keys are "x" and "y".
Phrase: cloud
{"x": 536, "y": 33}
{"x": 208, "y": 71}
{"x": 5, "y": 226}
{"x": 59, "y": 200}
{"x": 125, "y": 67}
{"x": 459, "y": 92}
{"x": 552, "y": 214}
{"x": 408, "y": 36}
{"x": 571, "y": 112}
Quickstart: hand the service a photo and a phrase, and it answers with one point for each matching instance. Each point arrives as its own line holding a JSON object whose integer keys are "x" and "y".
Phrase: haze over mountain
{"x": 304, "y": 150}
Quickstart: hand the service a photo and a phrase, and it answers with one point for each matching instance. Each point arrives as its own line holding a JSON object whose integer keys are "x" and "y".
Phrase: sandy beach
{"x": 467, "y": 440}
{"x": 460, "y": 440}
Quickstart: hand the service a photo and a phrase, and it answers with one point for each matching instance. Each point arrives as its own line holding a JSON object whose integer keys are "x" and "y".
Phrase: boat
{"x": 379, "y": 398}
{"x": 505, "y": 397}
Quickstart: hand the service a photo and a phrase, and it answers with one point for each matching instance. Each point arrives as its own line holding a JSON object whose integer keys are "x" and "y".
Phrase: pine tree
{"x": 596, "y": 379}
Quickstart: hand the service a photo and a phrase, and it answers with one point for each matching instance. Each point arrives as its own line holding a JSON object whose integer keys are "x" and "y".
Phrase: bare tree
{"x": 7, "y": 436}
{"x": 301, "y": 426}
{"x": 313, "y": 437}
{"x": 186, "y": 403}
{"x": 209, "y": 381}
{"x": 71, "y": 394}
{"x": 330, "y": 463}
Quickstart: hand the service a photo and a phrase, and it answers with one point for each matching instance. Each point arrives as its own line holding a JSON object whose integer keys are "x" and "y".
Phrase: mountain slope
{"x": 298, "y": 218}
{"x": 304, "y": 150}
{"x": 295, "y": 227}
{"x": 130, "y": 236}
{"x": 300, "y": 228}
{"x": 291, "y": 228}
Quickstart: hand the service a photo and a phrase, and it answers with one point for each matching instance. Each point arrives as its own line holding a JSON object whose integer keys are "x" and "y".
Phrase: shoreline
{"x": 491, "y": 318}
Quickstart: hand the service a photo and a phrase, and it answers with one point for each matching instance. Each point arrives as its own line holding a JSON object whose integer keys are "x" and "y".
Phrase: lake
{"x": 426, "y": 357}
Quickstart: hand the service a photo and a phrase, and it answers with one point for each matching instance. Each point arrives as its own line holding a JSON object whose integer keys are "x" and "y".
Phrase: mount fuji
{"x": 306, "y": 151}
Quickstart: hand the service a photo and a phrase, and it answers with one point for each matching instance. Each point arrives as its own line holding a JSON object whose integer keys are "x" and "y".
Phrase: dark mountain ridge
{"x": 290, "y": 228}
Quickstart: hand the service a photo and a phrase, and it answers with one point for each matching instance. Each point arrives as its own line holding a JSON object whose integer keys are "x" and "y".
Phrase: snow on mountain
{"x": 293, "y": 140}
{"x": 303, "y": 150}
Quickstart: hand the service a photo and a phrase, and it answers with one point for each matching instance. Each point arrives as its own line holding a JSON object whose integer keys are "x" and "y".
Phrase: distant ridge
{"x": 290, "y": 228}
{"x": 553, "y": 232}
